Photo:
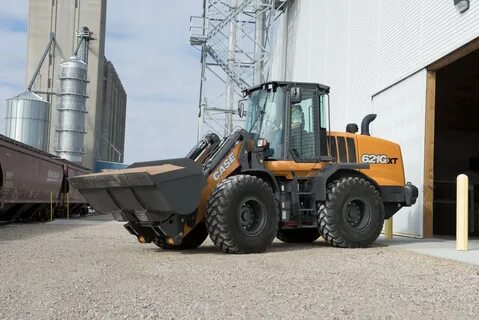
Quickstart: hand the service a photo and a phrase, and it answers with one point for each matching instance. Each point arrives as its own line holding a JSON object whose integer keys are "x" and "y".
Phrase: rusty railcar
{"x": 32, "y": 181}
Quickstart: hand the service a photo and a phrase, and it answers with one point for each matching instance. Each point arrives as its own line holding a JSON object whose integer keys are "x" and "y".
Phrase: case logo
{"x": 378, "y": 159}
{"x": 225, "y": 165}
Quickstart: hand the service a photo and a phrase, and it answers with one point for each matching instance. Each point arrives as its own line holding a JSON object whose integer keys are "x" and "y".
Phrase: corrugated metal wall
{"x": 362, "y": 47}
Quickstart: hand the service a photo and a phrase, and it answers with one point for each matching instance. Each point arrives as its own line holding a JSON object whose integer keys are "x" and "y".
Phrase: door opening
{"x": 456, "y": 142}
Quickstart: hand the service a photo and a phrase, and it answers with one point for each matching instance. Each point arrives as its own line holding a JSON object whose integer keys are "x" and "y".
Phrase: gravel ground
{"x": 93, "y": 269}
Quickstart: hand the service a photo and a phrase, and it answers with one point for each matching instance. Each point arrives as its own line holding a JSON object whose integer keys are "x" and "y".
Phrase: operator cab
{"x": 292, "y": 117}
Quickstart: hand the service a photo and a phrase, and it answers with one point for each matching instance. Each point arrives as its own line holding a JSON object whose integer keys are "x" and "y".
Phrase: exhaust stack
{"x": 366, "y": 122}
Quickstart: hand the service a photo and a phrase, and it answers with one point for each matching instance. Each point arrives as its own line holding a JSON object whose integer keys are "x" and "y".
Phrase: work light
{"x": 461, "y": 5}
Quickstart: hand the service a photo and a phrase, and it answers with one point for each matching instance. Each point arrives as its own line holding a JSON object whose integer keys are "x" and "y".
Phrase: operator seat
{"x": 302, "y": 142}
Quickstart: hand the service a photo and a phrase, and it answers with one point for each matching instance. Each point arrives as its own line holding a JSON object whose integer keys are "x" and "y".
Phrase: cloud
{"x": 14, "y": 9}
{"x": 148, "y": 44}
{"x": 13, "y": 26}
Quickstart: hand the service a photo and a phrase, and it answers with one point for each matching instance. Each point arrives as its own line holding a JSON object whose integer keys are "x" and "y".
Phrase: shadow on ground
{"x": 274, "y": 248}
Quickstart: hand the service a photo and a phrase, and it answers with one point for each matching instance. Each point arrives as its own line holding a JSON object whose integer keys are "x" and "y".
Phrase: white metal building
{"x": 414, "y": 63}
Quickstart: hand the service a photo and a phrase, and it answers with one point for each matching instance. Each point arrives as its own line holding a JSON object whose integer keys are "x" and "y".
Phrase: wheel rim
{"x": 357, "y": 214}
{"x": 251, "y": 216}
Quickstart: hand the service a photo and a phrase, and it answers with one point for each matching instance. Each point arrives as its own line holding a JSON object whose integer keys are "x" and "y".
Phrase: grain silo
{"x": 28, "y": 119}
{"x": 72, "y": 109}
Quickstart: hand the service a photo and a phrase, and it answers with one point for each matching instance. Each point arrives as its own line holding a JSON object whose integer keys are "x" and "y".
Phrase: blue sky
{"x": 148, "y": 44}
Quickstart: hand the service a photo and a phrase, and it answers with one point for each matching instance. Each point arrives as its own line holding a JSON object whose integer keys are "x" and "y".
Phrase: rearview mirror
{"x": 295, "y": 95}
{"x": 242, "y": 108}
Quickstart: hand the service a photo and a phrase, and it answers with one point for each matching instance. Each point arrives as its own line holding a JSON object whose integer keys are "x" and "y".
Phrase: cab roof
{"x": 264, "y": 85}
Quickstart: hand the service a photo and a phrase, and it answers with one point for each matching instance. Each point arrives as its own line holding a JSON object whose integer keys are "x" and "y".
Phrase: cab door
{"x": 305, "y": 132}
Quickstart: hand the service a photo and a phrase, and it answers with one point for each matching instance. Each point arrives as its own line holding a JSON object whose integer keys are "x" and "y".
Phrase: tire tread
{"x": 326, "y": 227}
{"x": 215, "y": 211}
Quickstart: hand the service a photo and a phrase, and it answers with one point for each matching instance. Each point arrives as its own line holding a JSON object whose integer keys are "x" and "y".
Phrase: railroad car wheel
{"x": 353, "y": 214}
{"x": 192, "y": 240}
{"x": 298, "y": 235}
{"x": 241, "y": 215}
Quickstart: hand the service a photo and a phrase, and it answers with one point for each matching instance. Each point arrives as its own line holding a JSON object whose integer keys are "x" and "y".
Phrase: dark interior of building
{"x": 456, "y": 142}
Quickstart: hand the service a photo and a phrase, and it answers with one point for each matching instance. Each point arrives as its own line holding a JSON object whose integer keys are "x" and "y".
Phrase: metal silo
{"x": 28, "y": 120}
{"x": 72, "y": 110}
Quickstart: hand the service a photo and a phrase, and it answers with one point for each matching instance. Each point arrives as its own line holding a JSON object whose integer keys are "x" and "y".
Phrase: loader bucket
{"x": 151, "y": 188}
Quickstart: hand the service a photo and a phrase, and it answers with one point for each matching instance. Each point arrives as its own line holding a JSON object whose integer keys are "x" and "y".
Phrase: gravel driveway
{"x": 93, "y": 269}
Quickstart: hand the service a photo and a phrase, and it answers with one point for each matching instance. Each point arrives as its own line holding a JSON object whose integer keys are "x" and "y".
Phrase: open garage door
{"x": 456, "y": 141}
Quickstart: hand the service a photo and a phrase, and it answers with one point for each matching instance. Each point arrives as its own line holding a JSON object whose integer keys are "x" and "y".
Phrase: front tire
{"x": 353, "y": 214}
{"x": 298, "y": 235}
{"x": 241, "y": 215}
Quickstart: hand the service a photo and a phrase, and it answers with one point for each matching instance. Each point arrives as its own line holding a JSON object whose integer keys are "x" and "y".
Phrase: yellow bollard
{"x": 51, "y": 206}
{"x": 462, "y": 208}
{"x": 68, "y": 205}
{"x": 388, "y": 229}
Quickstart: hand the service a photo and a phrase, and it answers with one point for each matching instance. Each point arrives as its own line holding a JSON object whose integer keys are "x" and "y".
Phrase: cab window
{"x": 304, "y": 127}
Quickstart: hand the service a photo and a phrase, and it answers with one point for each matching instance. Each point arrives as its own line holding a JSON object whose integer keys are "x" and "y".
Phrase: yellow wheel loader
{"x": 286, "y": 175}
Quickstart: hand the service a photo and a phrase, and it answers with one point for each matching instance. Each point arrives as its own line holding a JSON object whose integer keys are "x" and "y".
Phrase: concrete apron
{"x": 444, "y": 247}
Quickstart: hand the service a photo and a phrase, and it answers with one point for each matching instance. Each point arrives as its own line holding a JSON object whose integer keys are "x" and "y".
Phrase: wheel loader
{"x": 287, "y": 175}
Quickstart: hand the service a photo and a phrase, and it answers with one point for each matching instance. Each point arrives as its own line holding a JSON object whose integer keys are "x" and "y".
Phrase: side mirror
{"x": 295, "y": 95}
{"x": 242, "y": 108}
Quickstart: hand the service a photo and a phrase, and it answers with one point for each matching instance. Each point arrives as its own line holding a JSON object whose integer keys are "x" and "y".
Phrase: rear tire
{"x": 241, "y": 215}
{"x": 298, "y": 235}
{"x": 353, "y": 214}
{"x": 192, "y": 240}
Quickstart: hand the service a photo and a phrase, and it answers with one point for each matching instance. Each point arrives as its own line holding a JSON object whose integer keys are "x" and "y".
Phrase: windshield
{"x": 265, "y": 116}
